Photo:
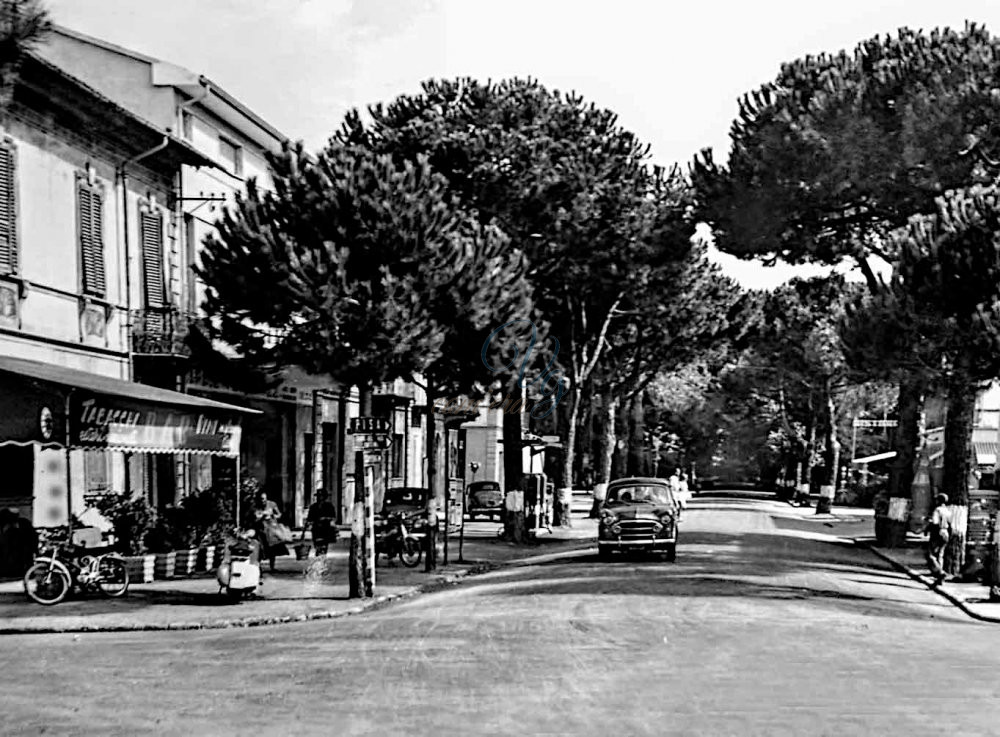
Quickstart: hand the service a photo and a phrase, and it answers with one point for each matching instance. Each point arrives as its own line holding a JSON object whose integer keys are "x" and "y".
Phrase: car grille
{"x": 637, "y": 529}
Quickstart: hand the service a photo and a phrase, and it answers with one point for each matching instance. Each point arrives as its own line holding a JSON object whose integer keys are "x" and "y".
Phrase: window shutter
{"x": 8, "y": 211}
{"x": 92, "y": 240}
{"x": 151, "y": 238}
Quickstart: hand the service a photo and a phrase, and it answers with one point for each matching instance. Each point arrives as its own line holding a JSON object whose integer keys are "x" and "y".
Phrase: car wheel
{"x": 671, "y": 554}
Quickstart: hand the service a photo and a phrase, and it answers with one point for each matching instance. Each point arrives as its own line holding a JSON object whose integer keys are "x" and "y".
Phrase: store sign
{"x": 111, "y": 423}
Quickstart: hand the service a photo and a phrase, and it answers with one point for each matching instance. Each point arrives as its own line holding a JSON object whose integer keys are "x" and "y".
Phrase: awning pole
{"x": 237, "y": 459}
{"x": 69, "y": 475}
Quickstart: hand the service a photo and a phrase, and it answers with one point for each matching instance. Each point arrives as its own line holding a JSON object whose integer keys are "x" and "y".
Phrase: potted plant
{"x": 207, "y": 514}
{"x": 132, "y": 519}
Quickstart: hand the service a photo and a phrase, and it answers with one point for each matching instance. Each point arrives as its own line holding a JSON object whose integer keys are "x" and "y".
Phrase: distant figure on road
{"x": 939, "y": 531}
{"x": 685, "y": 490}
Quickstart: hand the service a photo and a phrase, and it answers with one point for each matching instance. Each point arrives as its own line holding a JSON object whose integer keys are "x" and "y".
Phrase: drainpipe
{"x": 123, "y": 177}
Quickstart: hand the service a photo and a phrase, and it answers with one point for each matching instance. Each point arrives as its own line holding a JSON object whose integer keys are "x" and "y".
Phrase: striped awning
{"x": 63, "y": 407}
{"x": 986, "y": 453}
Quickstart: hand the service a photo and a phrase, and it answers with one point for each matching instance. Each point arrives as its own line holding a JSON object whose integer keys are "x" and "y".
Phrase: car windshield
{"x": 485, "y": 486}
{"x": 405, "y": 497}
{"x": 639, "y": 494}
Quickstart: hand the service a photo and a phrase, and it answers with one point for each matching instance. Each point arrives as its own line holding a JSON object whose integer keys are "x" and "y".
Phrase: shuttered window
{"x": 151, "y": 240}
{"x": 8, "y": 212}
{"x": 91, "y": 216}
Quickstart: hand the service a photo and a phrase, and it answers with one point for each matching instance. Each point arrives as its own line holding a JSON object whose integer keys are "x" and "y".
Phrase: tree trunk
{"x": 831, "y": 452}
{"x": 433, "y": 500}
{"x": 361, "y": 565}
{"x": 513, "y": 463}
{"x": 570, "y": 455}
{"x": 901, "y": 473}
{"x": 804, "y": 486}
{"x": 637, "y": 455}
{"x": 607, "y": 438}
{"x": 958, "y": 440}
{"x": 957, "y": 463}
{"x": 619, "y": 462}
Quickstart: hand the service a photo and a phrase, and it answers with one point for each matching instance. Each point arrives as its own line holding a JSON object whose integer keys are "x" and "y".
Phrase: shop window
{"x": 396, "y": 456}
{"x": 95, "y": 472}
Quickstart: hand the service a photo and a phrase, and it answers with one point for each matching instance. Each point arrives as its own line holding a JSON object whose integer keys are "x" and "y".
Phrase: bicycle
{"x": 51, "y": 578}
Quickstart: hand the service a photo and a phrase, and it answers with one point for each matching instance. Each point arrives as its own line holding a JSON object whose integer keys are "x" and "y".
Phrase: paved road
{"x": 757, "y": 629}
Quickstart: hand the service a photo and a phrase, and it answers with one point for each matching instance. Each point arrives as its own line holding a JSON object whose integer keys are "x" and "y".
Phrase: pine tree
{"x": 359, "y": 268}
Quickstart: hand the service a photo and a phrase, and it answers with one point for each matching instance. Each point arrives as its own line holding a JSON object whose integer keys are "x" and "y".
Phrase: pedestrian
{"x": 267, "y": 526}
{"x": 683, "y": 491}
{"x": 938, "y": 529}
{"x": 430, "y": 549}
{"x": 600, "y": 494}
{"x": 322, "y": 518}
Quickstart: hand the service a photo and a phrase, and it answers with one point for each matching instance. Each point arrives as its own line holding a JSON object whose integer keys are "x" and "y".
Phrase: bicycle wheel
{"x": 410, "y": 552}
{"x": 112, "y": 577}
{"x": 46, "y": 585}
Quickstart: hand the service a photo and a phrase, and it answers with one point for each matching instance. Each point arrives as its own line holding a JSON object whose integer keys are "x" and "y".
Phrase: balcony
{"x": 161, "y": 331}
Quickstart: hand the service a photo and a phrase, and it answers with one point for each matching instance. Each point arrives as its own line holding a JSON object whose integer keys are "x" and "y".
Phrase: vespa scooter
{"x": 239, "y": 572}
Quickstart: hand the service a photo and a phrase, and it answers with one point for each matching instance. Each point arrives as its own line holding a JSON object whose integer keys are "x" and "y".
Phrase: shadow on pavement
{"x": 712, "y": 564}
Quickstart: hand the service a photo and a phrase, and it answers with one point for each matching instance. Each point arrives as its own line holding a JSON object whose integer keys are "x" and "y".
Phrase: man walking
{"x": 322, "y": 518}
{"x": 939, "y": 532}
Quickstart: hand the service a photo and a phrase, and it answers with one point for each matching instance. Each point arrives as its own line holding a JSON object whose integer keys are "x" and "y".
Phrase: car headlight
{"x": 616, "y": 529}
{"x": 608, "y": 519}
{"x": 667, "y": 520}
{"x": 657, "y": 526}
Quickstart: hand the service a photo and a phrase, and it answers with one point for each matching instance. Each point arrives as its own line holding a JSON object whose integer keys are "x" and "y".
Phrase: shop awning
{"x": 110, "y": 414}
{"x": 986, "y": 452}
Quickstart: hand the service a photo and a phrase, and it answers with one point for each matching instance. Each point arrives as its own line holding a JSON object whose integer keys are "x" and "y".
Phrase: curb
{"x": 902, "y": 568}
{"x": 367, "y": 605}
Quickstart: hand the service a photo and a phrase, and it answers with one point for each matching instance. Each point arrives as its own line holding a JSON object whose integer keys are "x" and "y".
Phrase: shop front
{"x": 52, "y": 418}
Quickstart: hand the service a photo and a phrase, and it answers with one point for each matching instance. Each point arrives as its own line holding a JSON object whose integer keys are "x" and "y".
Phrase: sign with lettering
{"x": 113, "y": 423}
{"x": 376, "y": 442}
{"x": 370, "y": 426}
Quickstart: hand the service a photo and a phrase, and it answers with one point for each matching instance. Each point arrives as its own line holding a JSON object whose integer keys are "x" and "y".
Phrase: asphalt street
{"x": 763, "y": 626}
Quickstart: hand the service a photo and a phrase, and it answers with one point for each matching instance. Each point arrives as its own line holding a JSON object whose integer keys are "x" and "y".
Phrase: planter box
{"x": 165, "y": 565}
{"x": 140, "y": 568}
{"x": 184, "y": 563}
{"x": 206, "y": 558}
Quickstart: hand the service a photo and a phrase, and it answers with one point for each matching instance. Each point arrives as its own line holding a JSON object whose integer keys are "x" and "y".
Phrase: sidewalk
{"x": 315, "y": 588}
{"x": 858, "y": 526}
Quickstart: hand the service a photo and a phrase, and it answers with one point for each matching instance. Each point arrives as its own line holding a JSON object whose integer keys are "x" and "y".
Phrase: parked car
{"x": 484, "y": 498}
{"x": 638, "y": 514}
{"x": 408, "y": 501}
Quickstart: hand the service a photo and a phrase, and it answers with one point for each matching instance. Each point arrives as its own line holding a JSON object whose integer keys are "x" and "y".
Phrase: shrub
{"x": 132, "y": 517}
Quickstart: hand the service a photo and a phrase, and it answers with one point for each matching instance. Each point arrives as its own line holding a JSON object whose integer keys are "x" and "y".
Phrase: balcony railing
{"x": 161, "y": 331}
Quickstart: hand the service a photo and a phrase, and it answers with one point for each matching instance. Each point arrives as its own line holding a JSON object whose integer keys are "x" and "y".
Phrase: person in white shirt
{"x": 684, "y": 490}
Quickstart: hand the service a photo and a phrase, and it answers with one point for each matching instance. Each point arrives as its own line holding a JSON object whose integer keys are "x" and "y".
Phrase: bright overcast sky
{"x": 672, "y": 71}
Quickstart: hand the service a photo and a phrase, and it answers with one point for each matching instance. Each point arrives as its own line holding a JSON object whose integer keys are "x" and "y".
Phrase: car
{"x": 409, "y": 501}
{"x": 639, "y": 514}
{"x": 484, "y": 498}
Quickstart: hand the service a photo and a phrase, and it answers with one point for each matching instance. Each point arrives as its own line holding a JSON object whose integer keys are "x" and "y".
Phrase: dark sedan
{"x": 484, "y": 499}
{"x": 638, "y": 514}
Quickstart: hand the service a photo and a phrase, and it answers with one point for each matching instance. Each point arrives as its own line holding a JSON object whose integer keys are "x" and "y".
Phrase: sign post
{"x": 374, "y": 436}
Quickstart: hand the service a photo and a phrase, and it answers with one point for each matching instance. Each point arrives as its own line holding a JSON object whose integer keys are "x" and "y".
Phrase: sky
{"x": 672, "y": 71}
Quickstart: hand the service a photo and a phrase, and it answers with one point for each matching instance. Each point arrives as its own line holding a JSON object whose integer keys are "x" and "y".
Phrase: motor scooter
{"x": 239, "y": 572}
